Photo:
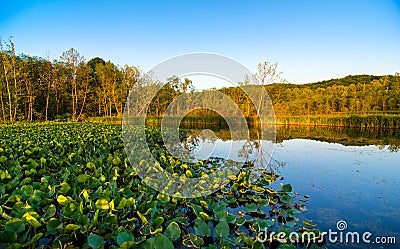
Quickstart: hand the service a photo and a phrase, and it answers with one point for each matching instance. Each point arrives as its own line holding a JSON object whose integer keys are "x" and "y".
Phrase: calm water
{"x": 350, "y": 175}
{"x": 357, "y": 184}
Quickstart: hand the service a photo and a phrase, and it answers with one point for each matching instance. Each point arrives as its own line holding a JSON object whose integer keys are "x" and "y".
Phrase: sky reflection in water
{"x": 358, "y": 184}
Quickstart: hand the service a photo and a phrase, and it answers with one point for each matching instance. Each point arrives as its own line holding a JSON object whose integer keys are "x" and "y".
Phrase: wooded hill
{"x": 351, "y": 94}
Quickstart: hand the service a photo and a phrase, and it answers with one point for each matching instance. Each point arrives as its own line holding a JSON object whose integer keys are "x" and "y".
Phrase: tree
{"x": 8, "y": 61}
{"x": 266, "y": 74}
{"x": 72, "y": 59}
{"x": 84, "y": 77}
{"x": 30, "y": 71}
{"x": 48, "y": 76}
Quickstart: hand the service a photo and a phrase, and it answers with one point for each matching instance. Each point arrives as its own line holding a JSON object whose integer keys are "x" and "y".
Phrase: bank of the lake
{"x": 343, "y": 120}
{"x": 384, "y": 120}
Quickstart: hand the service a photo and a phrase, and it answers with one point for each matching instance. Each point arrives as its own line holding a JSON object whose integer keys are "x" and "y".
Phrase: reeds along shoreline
{"x": 391, "y": 121}
{"x": 356, "y": 121}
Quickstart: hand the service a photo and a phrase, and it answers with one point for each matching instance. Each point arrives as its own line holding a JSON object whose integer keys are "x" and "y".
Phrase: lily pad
{"x": 62, "y": 199}
{"x": 82, "y": 178}
{"x": 102, "y": 204}
{"x": 95, "y": 241}
{"x": 32, "y": 220}
{"x": 71, "y": 227}
{"x": 16, "y": 226}
{"x": 201, "y": 228}
{"x": 162, "y": 242}
{"x": 286, "y": 188}
{"x": 173, "y": 231}
{"x": 252, "y": 207}
{"x": 53, "y": 226}
{"x": 123, "y": 237}
{"x": 8, "y": 237}
{"x": 221, "y": 229}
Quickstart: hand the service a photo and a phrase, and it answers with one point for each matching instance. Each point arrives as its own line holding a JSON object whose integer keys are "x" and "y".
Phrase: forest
{"x": 74, "y": 89}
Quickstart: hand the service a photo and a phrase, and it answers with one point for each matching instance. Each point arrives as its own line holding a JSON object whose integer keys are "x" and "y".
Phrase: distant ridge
{"x": 345, "y": 81}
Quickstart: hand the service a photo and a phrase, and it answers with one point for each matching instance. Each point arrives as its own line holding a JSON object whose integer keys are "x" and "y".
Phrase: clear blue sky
{"x": 311, "y": 40}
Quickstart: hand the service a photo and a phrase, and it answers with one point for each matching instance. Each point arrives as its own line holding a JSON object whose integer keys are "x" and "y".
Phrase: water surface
{"x": 357, "y": 184}
{"x": 350, "y": 175}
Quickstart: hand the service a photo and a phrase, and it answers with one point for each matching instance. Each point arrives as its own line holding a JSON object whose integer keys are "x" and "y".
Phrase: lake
{"x": 351, "y": 176}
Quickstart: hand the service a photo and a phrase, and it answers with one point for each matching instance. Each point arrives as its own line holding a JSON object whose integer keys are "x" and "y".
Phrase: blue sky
{"x": 311, "y": 40}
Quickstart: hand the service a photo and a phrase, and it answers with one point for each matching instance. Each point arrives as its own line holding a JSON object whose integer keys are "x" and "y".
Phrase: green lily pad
{"x": 221, "y": 229}
{"x": 231, "y": 200}
{"x": 8, "y": 237}
{"x": 82, "y": 178}
{"x": 173, "y": 231}
{"x": 32, "y": 220}
{"x": 285, "y": 198}
{"x": 3, "y": 159}
{"x": 83, "y": 220}
{"x": 201, "y": 228}
{"x": 122, "y": 203}
{"x": 53, "y": 226}
{"x": 64, "y": 188}
{"x": 231, "y": 219}
{"x": 158, "y": 221}
{"x": 162, "y": 242}
{"x": 220, "y": 212}
{"x": 95, "y": 241}
{"x": 240, "y": 220}
{"x": 16, "y": 226}
{"x": 91, "y": 165}
{"x": 252, "y": 207}
{"x": 286, "y": 188}
{"x": 123, "y": 237}
{"x": 72, "y": 227}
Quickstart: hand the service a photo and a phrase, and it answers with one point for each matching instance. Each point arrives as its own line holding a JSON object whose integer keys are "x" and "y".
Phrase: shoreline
{"x": 378, "y": 121}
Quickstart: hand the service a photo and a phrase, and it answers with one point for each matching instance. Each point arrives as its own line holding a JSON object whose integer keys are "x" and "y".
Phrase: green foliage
{"x": 221, "y": 229}
{"x": 173, "y": 231}
{"x": 124, "y": 238}
{"x": 95, "y": 241}
{"x": 201, "y": 228}
{"x": 86, "y": 194}
{"x": 357, "y": 94}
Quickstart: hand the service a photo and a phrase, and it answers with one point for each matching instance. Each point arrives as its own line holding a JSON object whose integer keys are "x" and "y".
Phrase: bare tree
{"x": 8, "y": 61}
{"x": 28, "y": 78}
{"x": 72, "y": 59}
{"x": 84, "y": 77}
{"x": 266, "y": 74}
{"x": 47, "y": 75}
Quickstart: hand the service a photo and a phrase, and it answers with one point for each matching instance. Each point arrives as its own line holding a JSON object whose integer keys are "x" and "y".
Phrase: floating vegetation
{"x": 71, "y": 185}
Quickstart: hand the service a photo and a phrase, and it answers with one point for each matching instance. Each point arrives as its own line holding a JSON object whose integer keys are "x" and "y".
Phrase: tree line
{"x": 72, "y": 88}
{"x": 34, "y": 88}
{"x": 356, "y": 94}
